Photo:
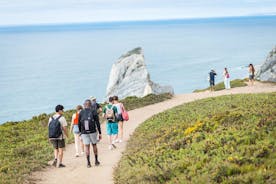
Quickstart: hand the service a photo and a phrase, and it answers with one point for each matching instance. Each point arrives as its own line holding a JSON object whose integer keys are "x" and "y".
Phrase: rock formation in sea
{"x": 130, "y": 77}
{"x": 267, "y": 71}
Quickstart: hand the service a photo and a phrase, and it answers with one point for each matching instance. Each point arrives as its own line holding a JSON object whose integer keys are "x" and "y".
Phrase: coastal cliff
{"x": 267, "y": 71}
{"x": 130, "y": 77}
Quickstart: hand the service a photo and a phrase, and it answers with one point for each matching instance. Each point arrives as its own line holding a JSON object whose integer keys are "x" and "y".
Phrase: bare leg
{"x": 60, "y": 154}
{"x": 121, "y": 133}
{"x": 76, "y": 136}
{"x": 56, "y": 153}
{"x": 81, "y": 144}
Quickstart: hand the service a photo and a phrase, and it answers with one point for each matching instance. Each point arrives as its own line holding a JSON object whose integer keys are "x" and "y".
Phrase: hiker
{"x": 212, "y": 76}
{"x": 95, "y": 105}
{"x": 110, "y": 113}
{"x": 90, "y": 129}
{"x": 57, "y": 131}
{"x": 120, "y": 108}
{"x": 226, "y": 77}
{"x": 75, "y": 130}
{"x": 251, "y": 71}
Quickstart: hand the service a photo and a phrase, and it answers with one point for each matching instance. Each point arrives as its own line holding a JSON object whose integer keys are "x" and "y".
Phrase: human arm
{"x": 72, "y": 122}
{"x": 97, "y": 121}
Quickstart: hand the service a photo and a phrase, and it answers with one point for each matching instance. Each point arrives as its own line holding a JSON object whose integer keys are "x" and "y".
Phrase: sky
{"x": 32, "y": 12}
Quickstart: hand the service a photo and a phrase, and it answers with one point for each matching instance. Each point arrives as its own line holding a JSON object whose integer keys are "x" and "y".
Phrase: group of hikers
{"x": 226, "y": 77}
{"x": 86, "y": 127}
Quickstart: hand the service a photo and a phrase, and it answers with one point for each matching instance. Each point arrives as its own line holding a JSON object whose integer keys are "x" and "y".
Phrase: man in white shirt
{"x": 58, "y": 142}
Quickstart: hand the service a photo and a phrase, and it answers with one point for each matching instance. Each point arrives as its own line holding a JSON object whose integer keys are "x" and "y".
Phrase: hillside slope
{"x": 228, "y": 139}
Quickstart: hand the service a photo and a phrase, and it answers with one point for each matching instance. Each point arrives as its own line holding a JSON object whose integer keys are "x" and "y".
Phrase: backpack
{"x": 55, "y": 130}
{"x": 227, "y": 75}
{"x": 109, "y": 114}
{"x": 88, "y": 122}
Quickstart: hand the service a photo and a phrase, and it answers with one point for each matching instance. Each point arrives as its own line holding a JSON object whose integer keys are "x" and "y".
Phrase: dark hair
{"x": 110, "y": 99}
{"x": 59, "y": 108}
{"x": 115, "y": 98}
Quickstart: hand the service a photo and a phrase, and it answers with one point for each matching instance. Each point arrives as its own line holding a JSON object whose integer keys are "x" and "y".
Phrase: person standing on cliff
{"x": 212, "y": 76}
{"x": 90, "y": 129}
{"x": 226, "y": 77}
{"x": 251, "y": 71}
{"x": 57, "y": 131}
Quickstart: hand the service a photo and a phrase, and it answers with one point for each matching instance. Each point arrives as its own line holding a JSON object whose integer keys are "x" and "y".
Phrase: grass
{"x": 228, "y": 139}
{"x": 25, "y": 148}
{"x": 220, "y": 86}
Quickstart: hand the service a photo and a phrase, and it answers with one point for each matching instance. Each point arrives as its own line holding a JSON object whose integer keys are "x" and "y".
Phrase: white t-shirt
{"x": 118, "y": 106}
{"x": 62, "y": 121}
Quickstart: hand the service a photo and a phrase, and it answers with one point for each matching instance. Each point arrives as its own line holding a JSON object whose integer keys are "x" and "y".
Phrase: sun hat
{"x": 92, "y": 98}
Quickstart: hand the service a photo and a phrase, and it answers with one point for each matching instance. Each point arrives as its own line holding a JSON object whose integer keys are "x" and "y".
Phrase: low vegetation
{"x": 220, "y": 86}
{"x": 24, "y": 146}
{"x": 228, "y": 139}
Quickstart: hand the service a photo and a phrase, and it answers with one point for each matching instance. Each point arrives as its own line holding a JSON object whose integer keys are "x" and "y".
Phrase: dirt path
{"x": 76, "y": 171}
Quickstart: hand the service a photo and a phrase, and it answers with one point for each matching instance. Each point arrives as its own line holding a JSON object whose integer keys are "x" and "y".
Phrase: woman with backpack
{"x": 75, "y": 130}
{"x": 120, "y": 108}
{"x": 226, "y": 76}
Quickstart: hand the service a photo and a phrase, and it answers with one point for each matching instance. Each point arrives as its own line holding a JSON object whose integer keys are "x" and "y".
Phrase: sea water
{"x": 42, "y": 66}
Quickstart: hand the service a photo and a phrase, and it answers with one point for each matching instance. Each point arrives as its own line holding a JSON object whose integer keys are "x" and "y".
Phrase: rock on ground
{"x": 267, "y": 71}
{"x": 129, "y": 77}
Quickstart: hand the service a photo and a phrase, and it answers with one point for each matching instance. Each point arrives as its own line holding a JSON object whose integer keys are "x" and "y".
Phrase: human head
{"x": 110, "y": 99}
{"x": 87, "y": 103}
{"x": 116, "y": 98}
{"x": 79, "y": 107}
{"x": 225, "y": 69}
{"x": 59, "y": 109}
{"x": 92, "y": 98}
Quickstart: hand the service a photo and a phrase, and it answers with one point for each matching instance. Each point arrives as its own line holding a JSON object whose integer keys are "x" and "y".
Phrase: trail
{"x": 76, "y": 170}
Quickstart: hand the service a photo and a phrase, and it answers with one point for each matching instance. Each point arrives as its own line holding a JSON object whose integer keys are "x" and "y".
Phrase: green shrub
{"x": 228, "y": 139}
{"x": 25, "y": 148}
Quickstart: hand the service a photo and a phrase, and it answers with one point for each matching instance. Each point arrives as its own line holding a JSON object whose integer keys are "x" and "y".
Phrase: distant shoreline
{"x": 109, "y": 24}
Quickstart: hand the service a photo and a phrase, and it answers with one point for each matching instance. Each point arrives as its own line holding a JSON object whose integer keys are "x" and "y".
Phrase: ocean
{"x": 42, "y": 66}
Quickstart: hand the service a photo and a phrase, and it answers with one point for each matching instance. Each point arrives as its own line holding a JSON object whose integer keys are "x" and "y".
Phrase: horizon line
{"x": 129, "y": 21}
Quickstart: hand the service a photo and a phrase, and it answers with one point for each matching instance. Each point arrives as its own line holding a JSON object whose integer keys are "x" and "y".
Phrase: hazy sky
{"x": 17, "y": 12}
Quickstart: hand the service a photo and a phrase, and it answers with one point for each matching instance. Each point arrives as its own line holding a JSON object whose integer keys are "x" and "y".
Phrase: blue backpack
{"x": 55, "y": 130}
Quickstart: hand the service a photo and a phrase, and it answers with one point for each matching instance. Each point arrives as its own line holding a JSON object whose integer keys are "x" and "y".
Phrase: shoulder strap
{"x": 59, "y": 117}
{"x": 122, "y": 107}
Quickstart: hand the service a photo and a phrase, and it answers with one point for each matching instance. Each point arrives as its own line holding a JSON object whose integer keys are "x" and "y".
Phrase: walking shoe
{"x": 61, "y": 165}
{"x": 113, "y": 145}
{"x": 54, "y": 163}
{"x": 77, "y": 155}
{"x": 88, "y": 165}
{"x": 97, "y": 163}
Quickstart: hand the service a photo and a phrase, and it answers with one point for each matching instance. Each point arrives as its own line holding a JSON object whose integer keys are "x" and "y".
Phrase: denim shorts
{"x": 76, "y": 129}
{"x": 112, "y": 128}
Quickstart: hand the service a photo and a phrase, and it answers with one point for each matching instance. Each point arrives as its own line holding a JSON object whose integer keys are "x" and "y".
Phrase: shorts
{"x": 89, "y": 138}
{"x": 112, "y": 128}
{"x": 251, "y": 77}
{"x": 76, "y": 129}
{"x": 120, "y": 117}
{"x": 58, "y": 143}
{"x": 212, "y": 83}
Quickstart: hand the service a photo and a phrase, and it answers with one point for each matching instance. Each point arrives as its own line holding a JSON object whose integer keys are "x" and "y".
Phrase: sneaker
{"x": 88, "y": 165}
{"x": 77, "y": 155}
{"x": 113, "y": 145}
{"x": 110, "y": 147}
{"x": 113, "y": 142}
{"x": 61, "y": 165}
{"x": 97, "y": 163}
{"x": 120, "y": 141}
{"x": 54, "y": 163}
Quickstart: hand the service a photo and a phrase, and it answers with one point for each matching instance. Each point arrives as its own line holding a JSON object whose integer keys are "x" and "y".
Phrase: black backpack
{"x": 87, "y": 121}
{"x": 55, "y": 130}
